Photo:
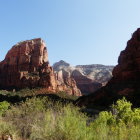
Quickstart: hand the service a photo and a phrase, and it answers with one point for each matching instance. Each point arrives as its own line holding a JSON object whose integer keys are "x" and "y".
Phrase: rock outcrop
{"x": 97, "y": 72}
{"x": 66, "y": 83}
{"x": 84, "y": 83}
{"x": 125, "y": 80}
{"x": 27, "y": 65}
{"x": 89, "y": 78}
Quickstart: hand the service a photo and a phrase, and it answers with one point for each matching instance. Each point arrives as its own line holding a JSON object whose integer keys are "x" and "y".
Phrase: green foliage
{"x": 44, "y": 119}
{"x": 26, "y": 92}
{"x": 3, "y": 107}
{"x": 122, "y": 112}
{"x": 126, "y": 113}
{"x": 120, "y": 124}
{"x": 65, "y": 124}
{"x": 25, "y": 114}
{"x": 64, "y": 95}
{"x": 7, "y": 129}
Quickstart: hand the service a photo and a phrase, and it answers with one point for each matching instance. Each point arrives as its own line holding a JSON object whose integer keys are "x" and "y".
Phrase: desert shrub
{"x": 7, "y": 129}
{"x": 65, "y": 124}
{"x": 65, "y": 95}
{"x": 22, "y": 116}
{"x": 26, "y": 92}
{"x": 3, "y": 107}
{"x": 44, "y": 119}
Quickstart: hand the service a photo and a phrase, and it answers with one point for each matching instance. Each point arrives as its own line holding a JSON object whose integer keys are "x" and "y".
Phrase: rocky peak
{"x": 60, "y": 65}
{"x": 30, "y": 51}
{"x": 26, "y": 65}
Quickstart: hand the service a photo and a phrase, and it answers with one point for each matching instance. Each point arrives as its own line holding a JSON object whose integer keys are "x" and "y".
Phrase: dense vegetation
{"x": 41, "y": 118}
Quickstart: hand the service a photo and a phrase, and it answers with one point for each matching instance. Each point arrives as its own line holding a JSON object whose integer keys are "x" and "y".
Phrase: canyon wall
{"x": 26, "y": 65}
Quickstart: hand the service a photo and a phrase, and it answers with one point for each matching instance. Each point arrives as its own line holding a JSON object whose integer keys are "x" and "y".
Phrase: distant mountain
{"x": 89, "y": 78}
{"x": 61, "y": 65}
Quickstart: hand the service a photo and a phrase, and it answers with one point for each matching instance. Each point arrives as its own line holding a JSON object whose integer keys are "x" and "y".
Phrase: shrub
{"x": 65, "y": 124}
{"x": 123, "y": 123}
{"x": 125, "y": 113}
{"x": 22, "y": 116}
{"x": 44, "y": 119}
{"x": 3, "y": 107}
{"x": 7, "y": 129}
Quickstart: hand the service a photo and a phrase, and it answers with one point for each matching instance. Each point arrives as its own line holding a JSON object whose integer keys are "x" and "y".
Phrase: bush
{"x": 3, "y": 107}
{"x": 120, "y": 124}
{"x": 65, "y": 124}
{"x": 7, "y": 129}
{"x": 22, "y": 116}
{"x": 44, "y": 119}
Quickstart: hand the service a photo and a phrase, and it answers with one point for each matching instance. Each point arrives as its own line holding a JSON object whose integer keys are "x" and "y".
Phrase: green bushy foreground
{"x": 43, "y": 119}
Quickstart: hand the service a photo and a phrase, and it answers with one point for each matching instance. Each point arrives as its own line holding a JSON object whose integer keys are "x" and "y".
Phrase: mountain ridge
{"x": 89, "y": 78}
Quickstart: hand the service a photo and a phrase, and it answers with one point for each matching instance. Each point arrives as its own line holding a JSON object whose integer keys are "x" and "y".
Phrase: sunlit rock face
{"x": 26, "y": 65}
{"x": 67, "y": 83}
{"x": 125, "y": 80}
{"x": 89, "y": 78}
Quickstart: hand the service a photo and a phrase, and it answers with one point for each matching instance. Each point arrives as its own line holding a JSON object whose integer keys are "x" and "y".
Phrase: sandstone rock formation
{"x": 125, "y": 80}
{"x": 84, "y": 83}
{"x": 88, "y": 78}
{"x": 97, "y": 72}
{"x": 27, "y": 65}
{"x": 66, "y": 83}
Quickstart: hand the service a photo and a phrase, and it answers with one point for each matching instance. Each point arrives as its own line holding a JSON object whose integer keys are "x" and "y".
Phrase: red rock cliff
{"x": 27, "y": 65}
{"x": 125, "y": 80}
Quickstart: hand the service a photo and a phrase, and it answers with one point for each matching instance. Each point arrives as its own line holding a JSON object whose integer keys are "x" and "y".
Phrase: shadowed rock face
{"x": 27, "y": 65}
{"x": 125, "y": 80}
{"x": 84, "y": 83}
{"x": 89, "y": 78}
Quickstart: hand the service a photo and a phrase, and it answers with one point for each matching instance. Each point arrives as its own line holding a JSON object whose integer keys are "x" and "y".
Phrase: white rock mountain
{"x": 88, "y": 78}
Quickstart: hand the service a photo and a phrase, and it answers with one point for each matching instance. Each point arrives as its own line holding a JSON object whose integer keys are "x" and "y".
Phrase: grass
{"x": 41, "y": 118}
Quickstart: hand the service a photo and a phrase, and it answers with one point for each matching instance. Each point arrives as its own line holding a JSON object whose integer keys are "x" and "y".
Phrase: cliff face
{"x": 84, "y": 83}
{"x": 27, "y": 65}
{"x": 88, "y": 78}
{"x": 66, "y": 83}
{"x": 126, "y": 77}
{"x": 98, "y": 73}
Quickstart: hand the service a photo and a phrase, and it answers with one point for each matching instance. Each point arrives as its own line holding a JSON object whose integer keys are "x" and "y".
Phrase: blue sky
{"x": 77, "y": 31}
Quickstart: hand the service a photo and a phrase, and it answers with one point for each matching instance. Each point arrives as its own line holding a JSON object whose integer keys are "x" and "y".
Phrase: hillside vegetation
{"x": 42, "y": 118}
